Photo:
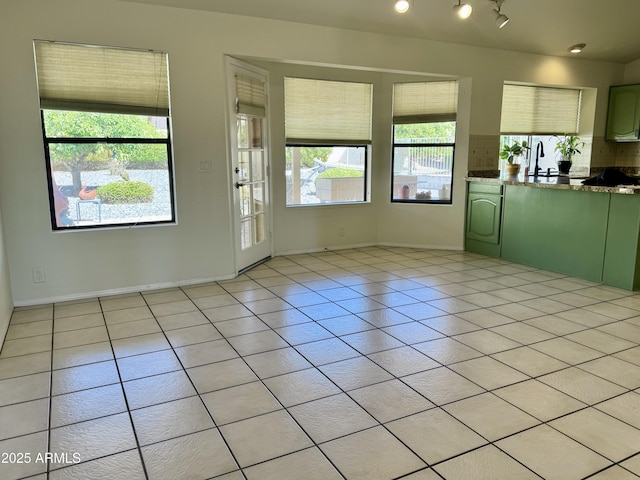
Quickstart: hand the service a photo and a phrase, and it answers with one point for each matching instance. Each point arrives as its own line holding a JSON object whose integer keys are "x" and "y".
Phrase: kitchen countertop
{"x": 561, "y": 182}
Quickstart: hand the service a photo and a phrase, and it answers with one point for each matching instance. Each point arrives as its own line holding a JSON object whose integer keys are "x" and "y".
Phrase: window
{"x": 535, "y": 114}
{"x": 328, "y": 135}
{"x": 107, "y": 137}
{"x": 424, "y": 132}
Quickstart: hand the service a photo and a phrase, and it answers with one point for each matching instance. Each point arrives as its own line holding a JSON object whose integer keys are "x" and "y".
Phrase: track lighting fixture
{"x": 401, "y": 6}
{"x": 501, "y": 18}
{"x": 577, "y": 48}
{"x": 463, "y": 10}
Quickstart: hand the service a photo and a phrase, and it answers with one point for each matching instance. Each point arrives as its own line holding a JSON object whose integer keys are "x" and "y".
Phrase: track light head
{"x": 401, "y": 6}
{"x": 463, "y": 10}
{"x": 501, "y": 19}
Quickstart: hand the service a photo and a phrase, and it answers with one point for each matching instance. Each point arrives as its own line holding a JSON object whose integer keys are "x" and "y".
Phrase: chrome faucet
{"x": 539, "y": 153}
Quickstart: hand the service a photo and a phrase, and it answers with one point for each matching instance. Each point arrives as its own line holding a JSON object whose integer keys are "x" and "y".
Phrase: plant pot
{"x": 513, "y": 169}
{"x": 564, "y": 166}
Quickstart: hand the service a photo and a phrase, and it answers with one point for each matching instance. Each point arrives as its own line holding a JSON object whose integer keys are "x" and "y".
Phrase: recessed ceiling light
{"x": 402, "y": 6}
{"x": 577, "y": 48}
{"x": 463, "y": 10}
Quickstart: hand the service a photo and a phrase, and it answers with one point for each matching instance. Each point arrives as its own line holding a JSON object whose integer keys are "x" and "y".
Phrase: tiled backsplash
{"x": 483, "y": 152}
{"x": 612, "y": 154}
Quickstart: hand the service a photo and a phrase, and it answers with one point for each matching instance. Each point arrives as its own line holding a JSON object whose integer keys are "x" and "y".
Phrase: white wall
{"x": 6, "y": 304}
{"x": 632, "y": 72}
{"x": 200, "y": 246}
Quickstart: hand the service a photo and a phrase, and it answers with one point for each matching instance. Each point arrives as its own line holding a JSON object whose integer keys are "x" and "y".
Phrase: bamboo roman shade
{"x": 251, "y": 98}
{"x": 327, "y": 112}
{"x": 425, "y": 102}
{"x": 540, "y": 110}
{"x": 102, "y": 79}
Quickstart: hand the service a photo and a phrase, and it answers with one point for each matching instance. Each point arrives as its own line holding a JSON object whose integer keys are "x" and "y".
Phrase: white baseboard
{"x": 422, "y": 247}
{"x": 329, "y": 248}
{"x": 184, "y": 283}
{"x": 121, "y": 291}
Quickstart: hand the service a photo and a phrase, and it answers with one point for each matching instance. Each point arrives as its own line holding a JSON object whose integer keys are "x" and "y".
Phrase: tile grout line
{"x": 375, "y": 327}
{"x": 49, "y": 429}
{"x": 286, "y": 409}
{"x": 185, "y": 370}
{"x": 124, "y": 396}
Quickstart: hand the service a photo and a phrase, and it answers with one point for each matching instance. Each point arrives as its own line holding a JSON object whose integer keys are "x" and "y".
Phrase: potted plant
{"x": 511, "y": 153}
{"x": 567, "y": 146}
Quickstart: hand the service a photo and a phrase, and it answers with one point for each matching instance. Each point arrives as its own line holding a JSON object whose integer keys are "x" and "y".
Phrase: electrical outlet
{"x": 38, "y": 275}
{"x": 204, "y": 167}
{"x": 341, "y": 231}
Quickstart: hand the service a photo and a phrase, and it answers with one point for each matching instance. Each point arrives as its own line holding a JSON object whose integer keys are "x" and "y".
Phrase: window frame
{"x": 365, "y": 172}
{"x": 312, "y": 133}
{"x": 47, "y": 141}
{"x": 395, "y": 145}
{"x": 104, "y": 80}
{"x": 427, "y": 102}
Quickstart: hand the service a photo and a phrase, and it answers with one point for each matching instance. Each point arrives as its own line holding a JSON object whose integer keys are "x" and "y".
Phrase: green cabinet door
{"x": 484, "y": 216}
{"x": 623, "y": 118}
{"x": 621, "y": 259}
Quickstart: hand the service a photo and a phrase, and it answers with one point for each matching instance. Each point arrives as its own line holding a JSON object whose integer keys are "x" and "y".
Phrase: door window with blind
{"x": 424, "y": 134}
{"x": 328, "y": 136}
{"x": 107, "y": 136}
{"x": 537, "y": 115}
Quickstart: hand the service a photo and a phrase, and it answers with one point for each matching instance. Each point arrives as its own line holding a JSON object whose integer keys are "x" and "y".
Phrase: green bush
{"x": 340, "y": 173}
{"x": 125, "y": 192}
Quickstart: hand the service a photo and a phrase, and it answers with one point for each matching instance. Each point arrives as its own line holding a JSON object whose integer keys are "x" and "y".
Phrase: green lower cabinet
{"x": 484, "y": 217}
{"x": 563, "y": 231}
{"x": 621, "y": 259}
{"x": 590, "y": 235}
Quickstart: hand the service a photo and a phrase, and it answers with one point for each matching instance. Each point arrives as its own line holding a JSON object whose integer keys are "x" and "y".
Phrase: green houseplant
{"x": 567, "y": 146}
{"x": 511, "y": 152}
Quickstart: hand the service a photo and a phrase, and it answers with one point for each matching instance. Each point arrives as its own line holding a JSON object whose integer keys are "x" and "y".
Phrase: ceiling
{"x": 610, "y": 28}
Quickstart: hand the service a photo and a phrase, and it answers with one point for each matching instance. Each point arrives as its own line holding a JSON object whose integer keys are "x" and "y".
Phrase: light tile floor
{"x": 371, "y": 363}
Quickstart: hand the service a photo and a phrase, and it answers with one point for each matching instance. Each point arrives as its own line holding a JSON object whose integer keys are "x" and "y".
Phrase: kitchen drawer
{"x": 490, "y": 188}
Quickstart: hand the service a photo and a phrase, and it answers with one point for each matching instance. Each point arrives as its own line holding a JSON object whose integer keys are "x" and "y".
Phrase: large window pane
{"x": 325, "y": 174}
{"x": 423, "y": 162}
{"x": 99, "y": 181}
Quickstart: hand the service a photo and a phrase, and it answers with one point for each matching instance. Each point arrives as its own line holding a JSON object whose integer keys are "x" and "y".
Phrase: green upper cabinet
{"x": 623, "y": 119}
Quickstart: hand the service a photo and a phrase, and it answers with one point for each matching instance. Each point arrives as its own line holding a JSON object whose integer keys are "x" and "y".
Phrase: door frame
{"x": 232, "y": 66}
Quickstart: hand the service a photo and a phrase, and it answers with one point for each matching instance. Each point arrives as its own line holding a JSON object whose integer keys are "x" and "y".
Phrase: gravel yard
{"x": 157, "y": 210}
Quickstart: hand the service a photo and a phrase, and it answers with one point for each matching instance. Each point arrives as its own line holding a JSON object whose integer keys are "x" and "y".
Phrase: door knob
{"x": 238, "y": 184}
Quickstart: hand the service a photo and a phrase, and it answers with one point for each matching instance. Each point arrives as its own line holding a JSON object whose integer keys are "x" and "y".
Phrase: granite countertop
{"x": 562, "y": 182}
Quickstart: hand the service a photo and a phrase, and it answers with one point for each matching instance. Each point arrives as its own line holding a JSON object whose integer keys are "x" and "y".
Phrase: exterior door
{"x": 249, "y": 163}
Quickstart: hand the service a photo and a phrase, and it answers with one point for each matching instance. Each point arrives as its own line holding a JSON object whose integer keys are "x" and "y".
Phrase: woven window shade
{"x": 250, "y": 96}
{"x": 102, "y": 79}
{"x": 327, "y": 112}
{"x": 540, "y": 110}
{"x": 425, "y": 102}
